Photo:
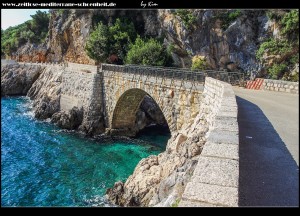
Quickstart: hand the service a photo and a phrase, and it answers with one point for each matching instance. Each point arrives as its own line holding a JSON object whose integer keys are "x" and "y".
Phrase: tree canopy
{"x": 33, "y": 31}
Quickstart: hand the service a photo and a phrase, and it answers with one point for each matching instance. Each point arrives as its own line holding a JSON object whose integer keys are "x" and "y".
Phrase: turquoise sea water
{"x": 42, "y": 165}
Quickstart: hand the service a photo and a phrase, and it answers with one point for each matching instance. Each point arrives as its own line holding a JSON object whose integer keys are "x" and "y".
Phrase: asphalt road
{"x": 269, "y": 148}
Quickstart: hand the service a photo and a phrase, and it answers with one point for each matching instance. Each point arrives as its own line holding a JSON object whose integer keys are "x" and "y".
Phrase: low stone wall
{"x": 215, "y": 179}
{"x": 281, "y": 86}
{"x": 82, "y": 68}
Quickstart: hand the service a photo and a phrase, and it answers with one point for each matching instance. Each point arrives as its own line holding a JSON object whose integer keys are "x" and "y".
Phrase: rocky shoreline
{"x": 157, "y": 180}
{"x": 160, "y": 180}
{"x": 163, "y": 174}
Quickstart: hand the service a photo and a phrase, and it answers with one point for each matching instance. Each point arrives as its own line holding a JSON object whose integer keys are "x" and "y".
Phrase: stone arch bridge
{"x": 177, "y": 92}
{"x": 113, "y": 93}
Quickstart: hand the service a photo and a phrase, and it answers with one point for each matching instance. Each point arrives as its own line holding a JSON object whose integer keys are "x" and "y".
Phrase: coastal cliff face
{"x": 17, "y": 79}
{"x": 226, "y": 44}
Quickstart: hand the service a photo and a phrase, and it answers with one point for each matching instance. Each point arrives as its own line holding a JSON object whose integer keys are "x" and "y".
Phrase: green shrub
{"x": 228, "y": 17}
{"x": 148, "y": 52}
{"x": 290, "y": 23}
{"x": 33, "y": 31}
{"x": 187, "y": 17}
{"x": 274, "y": 47}
{"x": 283, "y": 52}
{"x": 199, "y": 63}
{"x": 121, "y": 34}
{"x": 176, "y": 203}
{"x": 277, "y": 70}
{"x": 107, "y": 40}
{"x": 97, "y": 45}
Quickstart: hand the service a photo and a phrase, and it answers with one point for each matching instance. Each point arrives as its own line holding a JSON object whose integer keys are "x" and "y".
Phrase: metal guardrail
{"x": 184, "y": 74}
{"x": 234, "y": 78}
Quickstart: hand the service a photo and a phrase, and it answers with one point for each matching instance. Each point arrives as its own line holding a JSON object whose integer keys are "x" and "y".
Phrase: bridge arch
{"x": 125, "y": 112}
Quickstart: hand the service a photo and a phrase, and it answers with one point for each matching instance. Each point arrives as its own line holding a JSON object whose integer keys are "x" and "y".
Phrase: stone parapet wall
{"x": 82, "y": 68}
{"x": 280, "y": 86}
{"x": 215, "y": 179}
{"x": 76, "y": 89}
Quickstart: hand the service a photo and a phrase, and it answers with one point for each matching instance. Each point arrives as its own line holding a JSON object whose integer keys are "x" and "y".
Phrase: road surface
{"x": 269, "y": 148}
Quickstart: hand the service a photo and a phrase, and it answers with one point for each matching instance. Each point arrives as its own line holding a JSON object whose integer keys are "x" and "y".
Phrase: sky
{"x": 12, "y": 17}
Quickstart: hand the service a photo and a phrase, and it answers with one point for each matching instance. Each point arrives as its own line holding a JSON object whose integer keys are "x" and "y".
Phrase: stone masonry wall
{"x": 77, "y": 88}
{"x": 281, "y": 86}
{"x": 178, "y": 104}
{"x": 82, "y": 87}
{"x": 215, "y": 179}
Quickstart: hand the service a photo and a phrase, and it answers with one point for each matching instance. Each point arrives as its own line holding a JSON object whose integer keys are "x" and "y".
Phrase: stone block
{"x": 222, "y": 136}
{"x": 294, "y": 91}
{"x": 214, "y": 194}
{"x": 226, "y": 113}
{"x": 191, "y": 203}
{"x": 217, "y": 171}
{"x": 226, "y": 123}
{"x": 221, "y": 150}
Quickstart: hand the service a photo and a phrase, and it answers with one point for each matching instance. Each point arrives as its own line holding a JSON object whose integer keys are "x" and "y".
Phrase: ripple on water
{"x": 42, "y": 165}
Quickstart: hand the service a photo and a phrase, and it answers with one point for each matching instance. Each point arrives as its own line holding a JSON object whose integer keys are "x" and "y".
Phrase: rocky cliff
{"x": 228, "y": 39}
{"x": 17, "y": 79}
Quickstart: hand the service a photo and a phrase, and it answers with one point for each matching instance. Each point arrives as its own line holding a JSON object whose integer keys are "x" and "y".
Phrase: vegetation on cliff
{"x": 199, "y": 63}
{"x": 228, "y": 17}
{"x": 148, "y": 52}
{"x": 120, "y": 43}
{"x": 187, "y": 17}
{"x": 262, "y": 43}
{"x": 106, "y": 41}
{"x": 32, "y": 31}
{"x": 280, "y": 55}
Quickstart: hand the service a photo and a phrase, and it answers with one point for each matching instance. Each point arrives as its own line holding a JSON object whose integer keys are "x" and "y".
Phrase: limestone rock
{"x": 92, "y": 126}
{"x": 45, "y": 107}
{"x": 17, "y": 79}
{"x": 45, "y": 93}
{"x": 68, "y": 120}
{"x": 160, "y": 180}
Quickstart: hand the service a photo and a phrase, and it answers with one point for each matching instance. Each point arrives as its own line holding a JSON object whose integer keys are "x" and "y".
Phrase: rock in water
{"x": 68, "y": 119}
